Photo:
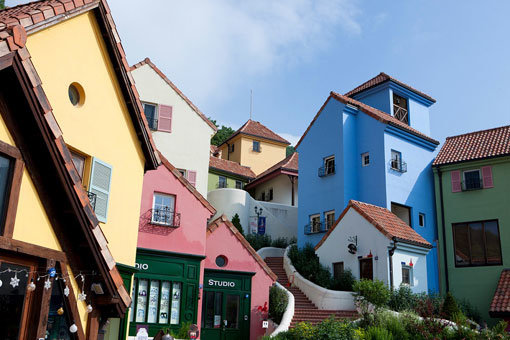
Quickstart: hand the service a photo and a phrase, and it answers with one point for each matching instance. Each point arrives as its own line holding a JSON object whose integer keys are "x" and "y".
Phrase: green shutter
{"x": 100, "y": 180}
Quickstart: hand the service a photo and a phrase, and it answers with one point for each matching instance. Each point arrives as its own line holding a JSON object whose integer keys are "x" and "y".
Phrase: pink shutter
{"x": 192, "y": 177}
{"x": 487, "y": 177}
{"x": 456, "y": 181}
{"x": 165, "y": 118}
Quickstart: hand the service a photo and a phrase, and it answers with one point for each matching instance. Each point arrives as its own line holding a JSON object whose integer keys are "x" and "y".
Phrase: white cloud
{"x": 213, "y": 46}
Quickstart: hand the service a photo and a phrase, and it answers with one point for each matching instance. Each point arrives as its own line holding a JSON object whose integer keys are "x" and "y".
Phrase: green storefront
{"x": 165, "y": 290}
{"x": 226, "y": 305}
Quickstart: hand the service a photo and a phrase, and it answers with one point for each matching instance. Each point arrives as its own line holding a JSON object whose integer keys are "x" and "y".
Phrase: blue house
{"x": 370, "y": 145}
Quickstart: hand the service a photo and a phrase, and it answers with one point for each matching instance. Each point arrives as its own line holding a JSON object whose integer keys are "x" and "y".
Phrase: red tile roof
{"x": 500, "y": 305}
{"x": 475, "y": 145}
{"x": 213, "y": 150}
{"x": 372, "y": 112}
{"x": 231, "y": 167}
{"x": 253, "y": 128}
{"x": 212, "y": 226}
{"x": 148, "y": 62}
{"x": 381, "y": 78}
{"x": 289, "y": 164}
{"x": 385, "y": 221}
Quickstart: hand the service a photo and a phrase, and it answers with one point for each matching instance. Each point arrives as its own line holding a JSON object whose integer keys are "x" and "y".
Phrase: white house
{"x": 375, "y": 244}
{"x": 182, "y": 133}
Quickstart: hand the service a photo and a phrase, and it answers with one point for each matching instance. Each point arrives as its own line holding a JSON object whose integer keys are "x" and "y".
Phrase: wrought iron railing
{"x": 472, "y": 184}
{"x": 92, "y": 199}
{"x": 326, "y": 170}
{"x": 401, "y": 114}
{"x": 165, "y": 217}
{"x": 315, "y": 228}
{"x": 398, "y": 165}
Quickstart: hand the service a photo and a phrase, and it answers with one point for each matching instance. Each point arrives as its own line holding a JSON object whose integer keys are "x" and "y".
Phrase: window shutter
{"x": 165, "y": 118}
{"x": 192, "y": 177}
{"x": 100, "y": 180}
{"x": 456, "y": 181}
{"x": 487, "y": 177}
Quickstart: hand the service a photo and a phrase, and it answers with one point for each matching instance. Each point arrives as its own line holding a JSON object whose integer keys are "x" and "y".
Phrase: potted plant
{"x": 166, "y": 334}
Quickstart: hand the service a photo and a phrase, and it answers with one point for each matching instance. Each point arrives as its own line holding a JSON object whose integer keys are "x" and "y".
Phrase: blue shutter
{"x": 100, "y": 180}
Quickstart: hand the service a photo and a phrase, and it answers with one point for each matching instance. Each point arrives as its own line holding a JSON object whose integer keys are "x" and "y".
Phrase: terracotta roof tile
{"x": 381, "y": 78}
{"x": 253, "y": 128}
{"x": 212, "y": 226}
{"x": 231, "y": 167}
{"x": 501, "y": 301}
{"x": 289, "y": 164}
{"x": 147, "y": 61}
{"x": 475, "y": 145}
{"x": 372, "y": 112}
{"x": 385, "y": 221}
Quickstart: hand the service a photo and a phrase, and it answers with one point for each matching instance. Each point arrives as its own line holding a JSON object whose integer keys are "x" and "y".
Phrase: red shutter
{"x": 487, "y": 177}
{"x": 192, "y": 177}
{"x": 456, "y": 181}
{"x": 165, "y": 118}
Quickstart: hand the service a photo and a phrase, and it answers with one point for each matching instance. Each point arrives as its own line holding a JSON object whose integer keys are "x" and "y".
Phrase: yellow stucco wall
{"x": 270, "y": 154}
{"x": 233, "y": 156}
{"x": 73, "y": 51}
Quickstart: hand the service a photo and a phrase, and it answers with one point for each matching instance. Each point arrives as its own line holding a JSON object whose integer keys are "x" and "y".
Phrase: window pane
{"x": 493, "y": 244}
{"x": 406, "y": 275}
{"x": 218, "y": 309}
{"x": 232, "y": 311}
{"x": 141, "y": 301}
{"x": 477, "y": 246}
{"x": 12, "y": 301}
{"x": 5, "y": 165}
{"x": 57, "y": 326}
{"x": 208, "y": 310}
{"x": 164, "y": 304}
{"x": 132, "y": 310}
{"x": 176, "y": 303}
{"x": 153, "y": 302}
{"x": 79, "y": 163}
{"x": 462, "y": 256}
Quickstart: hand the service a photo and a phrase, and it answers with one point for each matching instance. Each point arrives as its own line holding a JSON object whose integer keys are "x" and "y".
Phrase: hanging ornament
{"x": 60, "y": 311}
{"x": 15, "y": 281}
{"x": 52, "y": 272}
{"x": 66, "y": 291}
{"x": 89, "y": 308}
{"x": 31, "y": 286}
{"x": 47, "y": 284}
{"x": 82, "y": 296}
{"x": 73, "y": 328}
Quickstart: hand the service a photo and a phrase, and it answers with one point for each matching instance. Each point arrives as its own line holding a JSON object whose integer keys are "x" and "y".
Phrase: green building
{"x": 227, "y": 174}
{"x": 472, "y": 188}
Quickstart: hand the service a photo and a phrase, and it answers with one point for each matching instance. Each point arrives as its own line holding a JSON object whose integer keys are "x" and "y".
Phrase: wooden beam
{"x": 42, "y": 320}
{"x": 93, "y": 325}
{"x": 31, "y": 249}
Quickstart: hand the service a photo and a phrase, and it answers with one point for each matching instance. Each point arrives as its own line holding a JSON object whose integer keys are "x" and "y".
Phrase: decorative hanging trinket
{"x": 14, "y": 281}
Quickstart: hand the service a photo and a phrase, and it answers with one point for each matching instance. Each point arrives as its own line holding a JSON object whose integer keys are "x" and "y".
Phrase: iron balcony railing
{"x": 326, "y": 170}
{"x": 92, "y": 199}
{"x": 401, "y": 114}
{"x": 398, "y": 165}
{"x": 315, "y": 228}
{"x": 472, "y": 184}
{"x": 165, "y": 217}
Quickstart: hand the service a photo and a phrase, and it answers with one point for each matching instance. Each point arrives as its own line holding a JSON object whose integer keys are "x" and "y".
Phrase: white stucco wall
{"x": 281, "y": 220}
{"x": 405, "y": 253}
{"x": 188, "y": 145}
{"x": 282, "y": 190}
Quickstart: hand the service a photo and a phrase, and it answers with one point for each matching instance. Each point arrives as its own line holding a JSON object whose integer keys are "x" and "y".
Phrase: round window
{"x": 221, "y": 261}
{"x": 76, "y": 94}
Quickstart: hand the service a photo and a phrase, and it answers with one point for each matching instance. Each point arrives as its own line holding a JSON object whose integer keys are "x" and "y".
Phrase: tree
{"x": 222, "y": 134}
{"x": 290, "y": 150}
{"x": 2, "y": 4}
{"x": 236, "y": 221}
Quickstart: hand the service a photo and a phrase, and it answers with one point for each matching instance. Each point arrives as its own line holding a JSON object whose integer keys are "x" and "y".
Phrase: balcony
{"x": 92, "y": 199}
{"x": 326, "y": 170}
{"x": 472, "y": 184}
{"x": 315, "y": 228}
{"x": 164, "y": 217}
{"x": 221, "y": 185}
{"x": 401, "y": 114}
{"x": 398, "y": 165}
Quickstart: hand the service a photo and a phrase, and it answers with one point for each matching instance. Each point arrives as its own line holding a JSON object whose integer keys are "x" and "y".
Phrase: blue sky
{"x": 292, "y": 53}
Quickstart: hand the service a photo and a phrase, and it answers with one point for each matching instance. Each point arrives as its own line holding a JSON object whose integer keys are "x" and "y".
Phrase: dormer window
{"x": 400, "y": 110}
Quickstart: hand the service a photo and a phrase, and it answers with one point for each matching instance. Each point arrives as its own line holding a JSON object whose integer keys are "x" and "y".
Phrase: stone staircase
{"x": 304, "y": 309}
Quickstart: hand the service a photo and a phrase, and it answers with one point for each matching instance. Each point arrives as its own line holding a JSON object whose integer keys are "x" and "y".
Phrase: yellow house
{"x": 74, "y": 146}
{"x": 255, "y": 146}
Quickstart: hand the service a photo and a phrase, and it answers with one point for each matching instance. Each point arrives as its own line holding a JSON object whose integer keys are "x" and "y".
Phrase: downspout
{"x": 228, "y": 152}
{"x": 292, "y": 180}
{"x": 445, "y": 255}
{"x": 391, "y": 252}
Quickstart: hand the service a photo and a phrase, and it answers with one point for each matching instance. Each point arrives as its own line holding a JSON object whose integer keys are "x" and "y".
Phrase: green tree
{"x": 2, "y": 4}
{"x": 236, "y": 221}
{"x": 450, "y": 307}
{"x": 222, "y": 134}
{"x": 290, "y": 150}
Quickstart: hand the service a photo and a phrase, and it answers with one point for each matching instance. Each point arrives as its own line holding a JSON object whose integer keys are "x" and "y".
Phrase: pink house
{"x": 180, "y": 270}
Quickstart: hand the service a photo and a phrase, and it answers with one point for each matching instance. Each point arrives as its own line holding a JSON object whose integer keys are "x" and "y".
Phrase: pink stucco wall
{"x": 223, "y": 242}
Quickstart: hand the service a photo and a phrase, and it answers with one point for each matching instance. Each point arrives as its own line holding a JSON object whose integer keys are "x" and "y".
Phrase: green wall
{"x": 213, "y": 180}
{"x": 476, "y": 284}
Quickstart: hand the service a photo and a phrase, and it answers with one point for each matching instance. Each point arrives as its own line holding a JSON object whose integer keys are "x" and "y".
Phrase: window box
{"x": 165, "y": 217}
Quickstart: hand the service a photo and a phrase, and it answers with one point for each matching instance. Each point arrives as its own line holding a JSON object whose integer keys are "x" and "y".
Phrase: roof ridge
{"x": 242, "y": 129}
{"x": 477, "y": 132}
{"x": 228, "y": 160}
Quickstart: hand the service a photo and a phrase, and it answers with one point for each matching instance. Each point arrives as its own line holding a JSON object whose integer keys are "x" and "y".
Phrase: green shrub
{"x": 258, "y": 241}
{"x": 307, "y": 264}
{"x": 378, "y": 333}
{"x": 393, "y": 324}
{"x": 331, "y": 329}
{"x": 280, "y": 242}
{"x": 469, "y": 310}
{"x": 182, "y": 333}
{"x": 344, "y": 282}
{"x": 236, "y": 221}
{"x": 278, "y": 300}
{"x": 450, "y": 308}
{"x": 402, "y": 299}
{"x": 376, "y": 292}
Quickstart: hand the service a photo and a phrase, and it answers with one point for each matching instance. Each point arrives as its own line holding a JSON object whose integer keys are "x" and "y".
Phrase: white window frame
{"x": 312, "y": 228}
{"x": 219, "y": 182}
{"x": 411, "y": 279}
{"x": 421, "y": 216}
{"x": 183, "y": 172}
{"x": 156, "y": 113}
{"x": 239, "y": 182}
{"x": 363, "y": 156}
{"x": 172, "y": 211}
{"x": 464, "y": 187}
{"x": 326, "y": 214}
{"x": 326, "y": 167}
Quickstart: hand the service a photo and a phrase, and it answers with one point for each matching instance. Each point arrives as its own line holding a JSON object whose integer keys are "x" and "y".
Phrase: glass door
{"x": 221, "y": 316}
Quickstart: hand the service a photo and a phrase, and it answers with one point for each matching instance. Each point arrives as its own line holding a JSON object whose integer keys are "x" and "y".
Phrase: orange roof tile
{"x": 385, "y": 221}
{"x": 147, "y": 61}
{"x": 372, "y": 112}
{"x": 475, "y": 145}
{"x": 381, "y": 78}
{"x": 231, "y": 167}
{"x": 212, "y": 226}
{"x": 500, "y": 305}
{"x": 256, "y": 129}
{"x": 289, "y": 164}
